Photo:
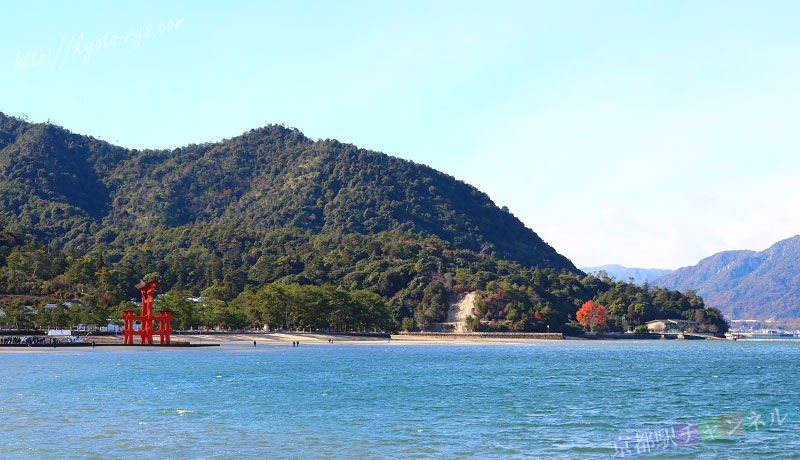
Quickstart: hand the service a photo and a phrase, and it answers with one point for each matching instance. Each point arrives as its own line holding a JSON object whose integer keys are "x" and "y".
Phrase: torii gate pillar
{"x": 146, "y": 331}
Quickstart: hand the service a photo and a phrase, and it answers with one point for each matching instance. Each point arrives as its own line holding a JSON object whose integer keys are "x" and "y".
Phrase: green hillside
{"x": 58, "y": 185}
{"x": 232, "y": 220}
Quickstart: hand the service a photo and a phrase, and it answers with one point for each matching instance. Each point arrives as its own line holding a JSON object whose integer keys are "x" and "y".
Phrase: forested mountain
{"x": 65, "y": 188}
{"x": 746, "y": 284}
{"x": 238, "y": 219}
{"x": 622, "y": 273}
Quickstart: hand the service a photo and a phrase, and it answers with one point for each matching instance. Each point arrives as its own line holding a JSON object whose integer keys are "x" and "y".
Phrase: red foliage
{"x": 591, "y": 314}
{"x": 537, "y": 316}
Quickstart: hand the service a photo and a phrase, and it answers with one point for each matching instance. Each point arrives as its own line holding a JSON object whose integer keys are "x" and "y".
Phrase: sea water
{"x": 571, "y": 399}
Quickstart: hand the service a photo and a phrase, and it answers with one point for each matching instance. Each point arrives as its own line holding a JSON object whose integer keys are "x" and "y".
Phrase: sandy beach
{"x": 287, "y": 338}
{"x": 244, "y": 341}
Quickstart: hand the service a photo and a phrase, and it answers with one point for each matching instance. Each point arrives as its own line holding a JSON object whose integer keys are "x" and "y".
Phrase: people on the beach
{"x": 38, "y": 341}
{"x": 26, "y": 341}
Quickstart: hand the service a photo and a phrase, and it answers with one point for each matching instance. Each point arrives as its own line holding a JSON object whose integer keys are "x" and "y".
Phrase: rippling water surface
{"x": 548, "y": 400}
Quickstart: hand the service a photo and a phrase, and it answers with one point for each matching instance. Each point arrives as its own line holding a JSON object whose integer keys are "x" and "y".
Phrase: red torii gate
{"x": 146, "y": 331}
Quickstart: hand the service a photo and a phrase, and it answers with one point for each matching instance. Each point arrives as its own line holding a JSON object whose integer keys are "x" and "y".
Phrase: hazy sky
{"x": 649, "y": 134}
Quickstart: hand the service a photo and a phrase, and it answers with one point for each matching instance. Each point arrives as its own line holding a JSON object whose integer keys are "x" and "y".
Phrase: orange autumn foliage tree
{"x": 537, "y": 316}
{"x": 592, "y": 316}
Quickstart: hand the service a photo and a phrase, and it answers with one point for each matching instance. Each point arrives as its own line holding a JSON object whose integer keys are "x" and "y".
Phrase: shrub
{"x": 472, "y": 323}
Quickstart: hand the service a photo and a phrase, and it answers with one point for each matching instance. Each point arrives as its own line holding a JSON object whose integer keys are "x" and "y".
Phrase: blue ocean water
{"x": 539, "y": 400}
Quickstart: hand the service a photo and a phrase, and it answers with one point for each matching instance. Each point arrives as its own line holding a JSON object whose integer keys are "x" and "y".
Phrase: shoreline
{"x": 286, "y": 338}
{"x": 244, "y": 340}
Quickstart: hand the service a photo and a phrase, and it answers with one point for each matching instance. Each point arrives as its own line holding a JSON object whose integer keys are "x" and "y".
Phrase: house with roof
{"x": 671, "y": 325}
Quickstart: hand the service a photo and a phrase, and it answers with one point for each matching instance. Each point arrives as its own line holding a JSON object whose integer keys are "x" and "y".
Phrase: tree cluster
{"x": 325, "y": 227}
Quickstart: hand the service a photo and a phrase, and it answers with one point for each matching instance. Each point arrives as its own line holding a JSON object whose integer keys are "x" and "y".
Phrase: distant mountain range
{"x": 621, "y": 273}
{"x": 746, "y": 284}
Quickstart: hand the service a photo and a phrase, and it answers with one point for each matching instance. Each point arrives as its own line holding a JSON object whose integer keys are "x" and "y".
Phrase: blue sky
{"x": 649, "y": 134}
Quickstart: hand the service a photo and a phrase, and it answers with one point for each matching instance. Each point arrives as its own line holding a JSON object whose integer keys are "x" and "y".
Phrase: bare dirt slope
{"x": 459, "y": 310}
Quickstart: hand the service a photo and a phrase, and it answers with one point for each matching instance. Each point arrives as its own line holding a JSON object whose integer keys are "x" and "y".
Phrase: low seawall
{"x": 488, "y": 335}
